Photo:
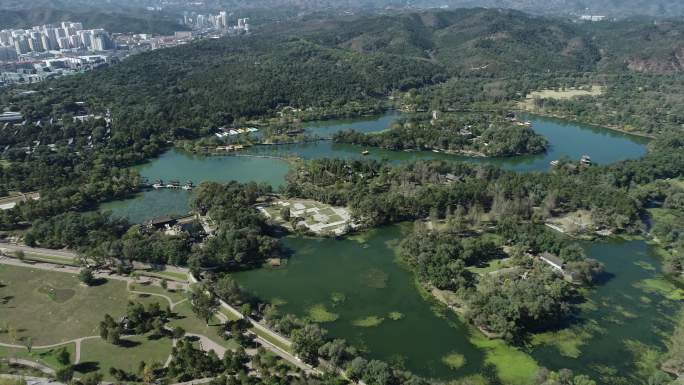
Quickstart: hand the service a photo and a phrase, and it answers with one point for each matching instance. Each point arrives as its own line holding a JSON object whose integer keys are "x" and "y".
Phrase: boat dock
{"x": 172, "y": 184}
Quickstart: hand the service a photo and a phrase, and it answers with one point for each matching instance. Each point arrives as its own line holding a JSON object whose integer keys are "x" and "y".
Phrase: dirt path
{"x": 166, "y": 297}
{"x": 32, "y": 364}
{"x": 76, "y": 341}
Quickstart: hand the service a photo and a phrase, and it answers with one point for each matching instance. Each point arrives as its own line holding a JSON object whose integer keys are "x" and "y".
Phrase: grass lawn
{"x": 491, "y": 266}
{"x": 174, "y": 295}
{"x": 170, "y": 275}
{"x": 192, "y": 324}
{"x": 50, "y": 259}
{"x": 272, "y": 340}
{"x": 99, "y": 355}
{"x": 679, "y": 182}
{"x": 53, "y": 307}
{"x": 46, "y": 357}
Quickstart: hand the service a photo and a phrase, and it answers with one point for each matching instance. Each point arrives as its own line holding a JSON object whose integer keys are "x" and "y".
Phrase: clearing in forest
{"x": 317, "y": 217}
{"x": 560, "y": 94}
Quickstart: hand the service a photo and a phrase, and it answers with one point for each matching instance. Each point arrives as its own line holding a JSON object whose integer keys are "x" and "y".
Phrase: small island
{"x": 483, "y": 135}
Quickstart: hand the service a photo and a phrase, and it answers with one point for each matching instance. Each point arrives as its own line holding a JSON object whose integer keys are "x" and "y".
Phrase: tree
{"x": 204, "y": 303}
{"x": 63, "y": 357}
{"x": 334, "y": 351}
{"x": 28, "y": 343}
{"x": 285, "y": 213}
{"x": 149, "y": 373}
{"x": 65, "y": 374}
{"x": 356, "y": 368}
{"x": 114, "y": 336}
{"x": 178, "y": 332}
{"x": 93, "y": 378}
{"x": 86, "y": 276}
{"x": 377, "y": 373}
{"x": 164, "y": 284}
{"x": 229, "y": 290}
{"x": 246, "y": 309}
{"x": 306, "y": 342}
{"x": 12, "y": 333}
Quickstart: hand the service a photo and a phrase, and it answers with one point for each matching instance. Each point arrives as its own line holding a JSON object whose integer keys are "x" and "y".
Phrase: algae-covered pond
{"x": 356, "y": 288}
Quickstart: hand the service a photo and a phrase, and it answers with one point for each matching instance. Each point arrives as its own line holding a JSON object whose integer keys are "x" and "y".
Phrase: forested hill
{"x": 499, "y": 41}
{"x": 337, "y": 65}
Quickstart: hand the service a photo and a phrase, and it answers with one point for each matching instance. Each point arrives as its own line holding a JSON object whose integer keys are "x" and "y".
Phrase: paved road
{"x": 30, "y": 380}
{"x": 206, "y": 342}
{"x": 37, "y": 250}
{"x": 32, "y": 364}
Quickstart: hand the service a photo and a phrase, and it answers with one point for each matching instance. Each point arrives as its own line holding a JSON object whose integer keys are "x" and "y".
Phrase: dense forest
{"x": 471, "y": 66}
{"x": 480, "y": 135}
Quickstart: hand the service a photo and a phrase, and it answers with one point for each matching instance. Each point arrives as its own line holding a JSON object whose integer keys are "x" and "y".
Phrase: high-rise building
{"x": 8, "y": 54}
{"x": 201, "y": 21}
{"x": 223, "y": 20}
{"x": 75, "y": 41}
{"x": 5, "y": 37}
{"x": 21, "y": 45}
{"x": 86, "y": 38}
{"x": 45, "y": 41}
{"x": 63, "y": 43}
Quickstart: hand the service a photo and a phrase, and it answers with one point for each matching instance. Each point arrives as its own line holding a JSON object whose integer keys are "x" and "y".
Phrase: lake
{"x": 566, "y": 139}
{"x": 375, "y": 303}
{"x": 359, "y": 277}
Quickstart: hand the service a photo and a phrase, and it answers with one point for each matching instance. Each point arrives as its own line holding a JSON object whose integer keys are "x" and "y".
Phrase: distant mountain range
{"x": 611, "y": 8}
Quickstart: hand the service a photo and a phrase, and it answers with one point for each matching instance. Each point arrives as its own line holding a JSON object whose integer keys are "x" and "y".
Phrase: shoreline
{"x": 570, "y": 118}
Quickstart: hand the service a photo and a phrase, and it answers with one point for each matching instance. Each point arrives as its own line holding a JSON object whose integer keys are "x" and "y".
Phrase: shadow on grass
{"x": 156, "y": 336}
{"x": 128, "y": 343}
{"x": 98, "y": 282}
{"x": 87, "y": 367}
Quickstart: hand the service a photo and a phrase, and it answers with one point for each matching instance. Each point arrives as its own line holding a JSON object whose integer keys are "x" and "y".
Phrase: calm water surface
{"x": 618, "y": 313}
{"x": 359, "y": 278}
{"x": 566, "y": 139}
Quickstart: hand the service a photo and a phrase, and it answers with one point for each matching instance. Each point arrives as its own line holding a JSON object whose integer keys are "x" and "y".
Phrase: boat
{"x": 188, "y": 185}
{"x": 173, "y": 184}
{"x": 555, "y": 163}
{"x": 585, "y": 160}
{"x": 158, "y": 184}
{"x": 365, "y": 152}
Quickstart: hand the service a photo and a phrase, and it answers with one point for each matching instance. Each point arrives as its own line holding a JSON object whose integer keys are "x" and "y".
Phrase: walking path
{"x": 67, "y": 254}
{"x": 32, "y": 364}
{"x": 206, "y": 343}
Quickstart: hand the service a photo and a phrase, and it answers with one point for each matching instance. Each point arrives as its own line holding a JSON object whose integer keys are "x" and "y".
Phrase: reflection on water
{"x": 566, "y": 139}
{"x": 374, "y": 303}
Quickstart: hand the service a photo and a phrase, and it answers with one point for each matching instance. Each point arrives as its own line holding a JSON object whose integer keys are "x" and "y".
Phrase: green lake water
{"x": 566, "y": 139}
{"x": 363, "y": 272}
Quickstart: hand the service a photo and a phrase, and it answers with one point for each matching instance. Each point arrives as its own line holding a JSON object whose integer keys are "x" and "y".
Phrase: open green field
{"x": 169, "y": 275}
{"x": 46, "y": 357}
{"x": 188, "y": 321}
{"x": 99, "y": 355}
{"x": 54, "y": 307}
{"x": 175, "y": 295}
{"x": 494, "y": 265}
{"x": 50, "y": 259}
